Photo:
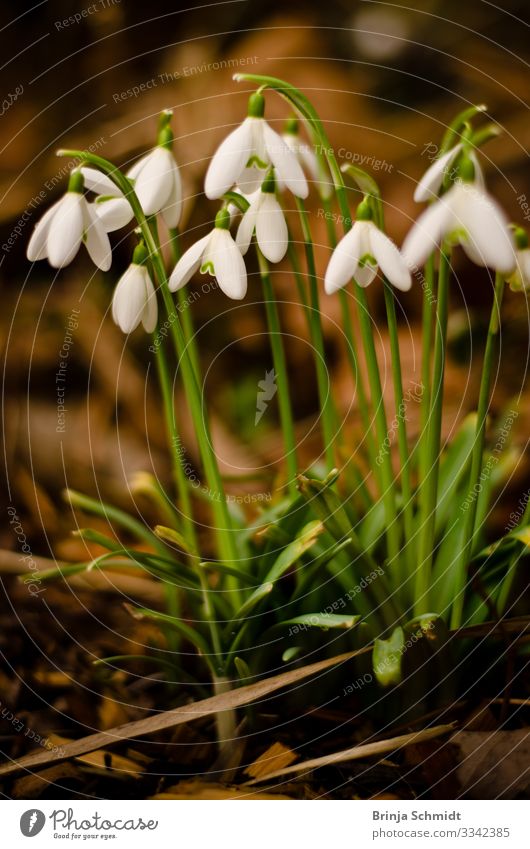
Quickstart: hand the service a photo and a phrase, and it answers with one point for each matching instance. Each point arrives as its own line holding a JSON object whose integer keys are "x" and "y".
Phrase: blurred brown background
{"x": 386, "y": 79}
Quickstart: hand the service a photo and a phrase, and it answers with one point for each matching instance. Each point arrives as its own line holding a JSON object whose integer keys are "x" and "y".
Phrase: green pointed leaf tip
{"x": 364, "y": 181}
{"x": 387, "y": 658}
{"x": 172, "y": 536}
{"x": 320, "y": 620}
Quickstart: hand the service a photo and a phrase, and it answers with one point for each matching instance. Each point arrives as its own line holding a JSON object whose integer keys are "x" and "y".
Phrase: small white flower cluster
{"x": 73, "y": 220}
{"x": 254, "y": 161}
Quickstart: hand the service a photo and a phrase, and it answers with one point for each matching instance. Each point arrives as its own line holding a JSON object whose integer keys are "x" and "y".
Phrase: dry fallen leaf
{"x": 493, "y": 764}
{"x": 274, "y": 758}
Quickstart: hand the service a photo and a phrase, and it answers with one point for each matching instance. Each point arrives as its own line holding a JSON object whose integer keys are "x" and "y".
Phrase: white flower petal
{"x": 129, "y": 300}
{"x": 37, "y": 247}
{"x": 246, "y": 227}
{"x": 308, "y": 158}
{"x": 344, "y": 260}
{"x": 154, "y": 183}
{"x": 228, "y": 264}
{"x": 173, "y": 209}
{"x": 427, "y": 232}
{"x": 486, "y": 225}
{"x": 150, "y": 313}
{"x": 271, "y": 229}
{"x": 99, "y": 183}
{"x": 284, "y": 160}
{"x": 430, "y": 183}
{"x": 96, "y": 239}
{"x": 389, "y": 259}
{"x": 66, "y": 230}
{"x": 114, "y": 213}
{"x": 188, "y": 264}
{"x": 229, "y": 161}
{"x": 135, "y": 169}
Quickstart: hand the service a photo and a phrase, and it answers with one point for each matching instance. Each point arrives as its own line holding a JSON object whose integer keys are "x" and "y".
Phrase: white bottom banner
{"x": 254, "y": 826}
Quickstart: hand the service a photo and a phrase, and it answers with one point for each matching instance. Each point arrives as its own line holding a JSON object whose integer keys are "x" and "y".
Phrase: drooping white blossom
{"x": 216, "y": 254}
{"x": 70, "y": 222}
{"x": 264, "y": 217}
{"x": 134, "y": 300}
{"x": 248, "y": 152}
{"x": 465, "y": 215}
{"x": 158, "y": 185}
{"x": 361, "y": 253}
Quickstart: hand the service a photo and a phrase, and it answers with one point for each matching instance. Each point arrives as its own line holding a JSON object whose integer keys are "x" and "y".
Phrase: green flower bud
{"x": 222, "y": 219}
{"x": 256, "y": 105}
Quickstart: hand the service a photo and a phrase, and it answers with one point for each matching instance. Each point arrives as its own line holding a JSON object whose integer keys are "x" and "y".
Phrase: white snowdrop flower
{"x": 361, "y": 252}
{"x": 216, "y": 254}
{"x": 431, "y": 182}
{"x": 264, "y": 217}
{"x": 465, "y": 215}
{"x": 134, "y": 299}
{"x": 519, "y": 280}
{"x": 157, "y": 180}
{"x": 112, "y": 208}
{"x": 307, "y": 158}
{"x": 248, "y": 152}
{"x": 69, "y": 222}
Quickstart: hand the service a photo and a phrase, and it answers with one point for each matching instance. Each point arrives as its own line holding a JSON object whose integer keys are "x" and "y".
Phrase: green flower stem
{"x": 227, "y": 548}
{"x": 466, "y": 551}
{"x": 403, "y": 443}
{"x": 327, "y": 410}
{"x": 426, "y": 345}
{"x": 428, "y": 490}
{"x": 381, "y": 426}
{"x": 299, "y": 279}
{"x": 175, "y": 445}
{"x": 280, "y": 368}
{"x": 183, "y": 306}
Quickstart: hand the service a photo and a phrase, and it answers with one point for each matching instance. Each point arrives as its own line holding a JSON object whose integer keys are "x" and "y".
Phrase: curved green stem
{"x": 466, "y": 551}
